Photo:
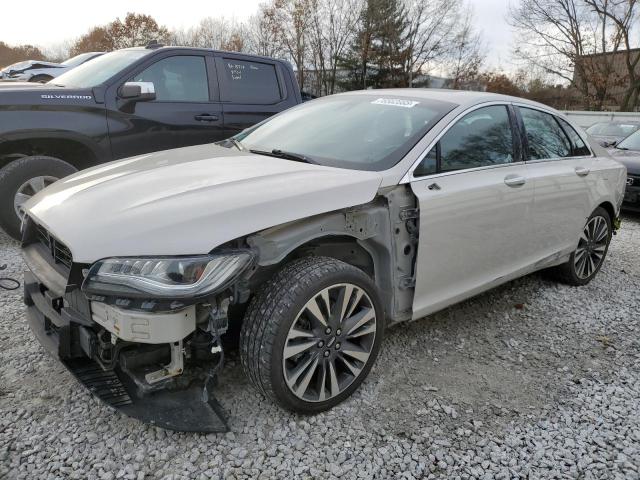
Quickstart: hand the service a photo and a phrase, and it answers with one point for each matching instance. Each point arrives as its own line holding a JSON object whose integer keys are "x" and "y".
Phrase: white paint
{"x": 188, "y": 201}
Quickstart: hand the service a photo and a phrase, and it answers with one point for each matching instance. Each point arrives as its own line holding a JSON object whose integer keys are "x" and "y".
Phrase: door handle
{"x": 434, "y": 186}
{"x": 582, "y": 171}
{"x": 206, "y": 117}
{"x": 514, "y": 180}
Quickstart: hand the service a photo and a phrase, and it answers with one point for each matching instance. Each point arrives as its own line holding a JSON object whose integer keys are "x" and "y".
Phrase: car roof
{"x": 462, "y": 98}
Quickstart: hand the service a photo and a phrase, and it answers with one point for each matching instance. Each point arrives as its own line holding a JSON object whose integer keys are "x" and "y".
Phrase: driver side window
{"x": 181, "y": 78}
{"x": 481, "y": 138}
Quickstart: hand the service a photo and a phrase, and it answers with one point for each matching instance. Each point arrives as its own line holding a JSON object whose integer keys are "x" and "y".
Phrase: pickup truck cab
{"x": 130, "y": 102}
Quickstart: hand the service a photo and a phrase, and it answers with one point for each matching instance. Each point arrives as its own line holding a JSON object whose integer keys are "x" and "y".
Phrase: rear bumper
{"x": 63, "y": 326}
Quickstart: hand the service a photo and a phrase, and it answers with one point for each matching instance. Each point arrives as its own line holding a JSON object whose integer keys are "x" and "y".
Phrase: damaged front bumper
{"x": 151, "y": 382}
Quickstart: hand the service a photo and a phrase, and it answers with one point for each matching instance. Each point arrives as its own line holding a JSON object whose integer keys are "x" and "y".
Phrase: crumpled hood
{"x": 189, "y": 200}
{"x": 629, "y": 158}
{"x": 28, "y": 64}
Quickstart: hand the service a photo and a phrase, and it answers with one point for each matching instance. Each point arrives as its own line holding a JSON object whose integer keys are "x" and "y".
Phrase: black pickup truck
{"x": 126, "y": 103}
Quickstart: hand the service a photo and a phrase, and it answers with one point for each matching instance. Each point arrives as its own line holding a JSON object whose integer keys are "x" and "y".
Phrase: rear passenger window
{"x": 579, "y": 149}
{"x": 545, "y": 138}
{"x": 481, "y": 138}
{"x": 249, "y": 82}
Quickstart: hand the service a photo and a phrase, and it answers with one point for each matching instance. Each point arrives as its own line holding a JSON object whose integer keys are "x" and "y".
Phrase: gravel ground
{"x": 531, "y": 380}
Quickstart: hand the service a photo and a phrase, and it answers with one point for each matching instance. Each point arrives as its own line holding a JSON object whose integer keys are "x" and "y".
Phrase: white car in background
{"x": 311, "y": 233}
{"x": 40, "y": 71}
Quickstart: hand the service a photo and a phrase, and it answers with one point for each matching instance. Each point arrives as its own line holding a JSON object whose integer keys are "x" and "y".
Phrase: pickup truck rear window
{"x": 249, "y": 82}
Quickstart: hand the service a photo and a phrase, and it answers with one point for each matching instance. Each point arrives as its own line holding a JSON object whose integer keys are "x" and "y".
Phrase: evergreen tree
{"x": 377, "y": 55}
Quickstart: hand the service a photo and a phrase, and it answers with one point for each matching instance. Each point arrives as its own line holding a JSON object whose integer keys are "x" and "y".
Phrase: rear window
{"x": 249, "y": 82}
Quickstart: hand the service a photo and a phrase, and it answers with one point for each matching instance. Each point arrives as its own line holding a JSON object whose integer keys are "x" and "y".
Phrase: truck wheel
{"x": 40, "y": 79}
{"x": 20, "y": 180}
{"x": 312, "y": 333}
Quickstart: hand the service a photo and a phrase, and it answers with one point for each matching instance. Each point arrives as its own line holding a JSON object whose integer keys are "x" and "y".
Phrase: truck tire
{"x": 312, "y": 333}
{"x": 22, "y": 179}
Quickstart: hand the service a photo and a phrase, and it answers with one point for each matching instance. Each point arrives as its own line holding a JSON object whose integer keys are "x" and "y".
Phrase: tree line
{"x": 571, "y": 53}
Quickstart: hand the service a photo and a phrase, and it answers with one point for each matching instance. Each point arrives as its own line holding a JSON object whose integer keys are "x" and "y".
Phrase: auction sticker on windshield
{"x": 396, "y": 102}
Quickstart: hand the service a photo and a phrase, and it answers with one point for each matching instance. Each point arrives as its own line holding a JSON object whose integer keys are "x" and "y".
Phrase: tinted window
{"x": 428, "y": 165}
{"x": 481, "y": 138}
{"x": 249, "y": 82}
{"x": 579, "y": 148}
{"x": 544, "y": 136}
{"x": 361, "y": 131}
{"x": 178, "y": 79}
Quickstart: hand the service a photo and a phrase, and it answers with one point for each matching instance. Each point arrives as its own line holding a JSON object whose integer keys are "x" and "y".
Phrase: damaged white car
{"x": 310, "y": 234}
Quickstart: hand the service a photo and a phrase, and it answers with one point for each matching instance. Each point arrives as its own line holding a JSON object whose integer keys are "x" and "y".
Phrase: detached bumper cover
{"x": 61, "y": 325}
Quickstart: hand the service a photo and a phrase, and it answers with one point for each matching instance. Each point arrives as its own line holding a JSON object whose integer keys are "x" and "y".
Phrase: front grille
{"x": 58, "y": 250}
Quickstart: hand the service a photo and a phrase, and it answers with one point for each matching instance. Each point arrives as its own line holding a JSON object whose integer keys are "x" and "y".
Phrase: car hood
{"x": 189, "y": 200}
{"x": 27, "y": 64}
{"x": 629, "y": 158}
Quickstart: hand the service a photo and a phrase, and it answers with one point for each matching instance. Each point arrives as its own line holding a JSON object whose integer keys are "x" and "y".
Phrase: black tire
{"x": 271, "y": 314}
{"x": 567, "y": 272}
{"x": 15, "y": 174}
{"x": 40, "y": 79}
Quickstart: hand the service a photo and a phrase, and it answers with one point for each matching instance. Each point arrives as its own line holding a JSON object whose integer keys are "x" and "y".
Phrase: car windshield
{"x": 359, "y": 132}
{"x": 96, "y": 72}
{"x": 77, "y": 60}
{"x": 613, "y": 129}
{"x": 632, "y": 142}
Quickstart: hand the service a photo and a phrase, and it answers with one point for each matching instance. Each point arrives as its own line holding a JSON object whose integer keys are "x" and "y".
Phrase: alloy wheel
{"x": 592, "y": 247}
{"x": 28, "y": 189}
{"x": 329, "y": 342}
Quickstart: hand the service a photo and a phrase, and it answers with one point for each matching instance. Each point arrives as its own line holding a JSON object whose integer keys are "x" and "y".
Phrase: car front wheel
{"x": 312, "y": 333}
{"x": 585, "y": 262}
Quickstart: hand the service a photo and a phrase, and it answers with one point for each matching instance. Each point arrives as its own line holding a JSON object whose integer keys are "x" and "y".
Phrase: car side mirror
{"x": 137, "y": 91}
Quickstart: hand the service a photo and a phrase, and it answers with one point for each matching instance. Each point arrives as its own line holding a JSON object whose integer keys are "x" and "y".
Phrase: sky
{"x": 47, "y": 24}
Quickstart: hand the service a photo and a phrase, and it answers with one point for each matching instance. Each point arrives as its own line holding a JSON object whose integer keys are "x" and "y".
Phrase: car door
{"x": 559, "y": 164}
{"x": 186, "y": 110}
{"x": 475, "y": 202}
{"x": 250, "y": 91}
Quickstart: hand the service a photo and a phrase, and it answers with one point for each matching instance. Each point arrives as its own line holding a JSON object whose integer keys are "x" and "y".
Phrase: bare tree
{"x": 432, "y": 30}
{"x": 219, "y": 33}
{"x": 624, "y": 15}
{"x": 467, "y": 53}
{"x": 568, "y": 37}
{"x": 332, "y": 27}
{"x": 262, "y": 34}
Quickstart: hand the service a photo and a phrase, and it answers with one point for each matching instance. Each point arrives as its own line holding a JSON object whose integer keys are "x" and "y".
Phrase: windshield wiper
{"x": 276, "y": 152}
{"x": 622, "y": 148}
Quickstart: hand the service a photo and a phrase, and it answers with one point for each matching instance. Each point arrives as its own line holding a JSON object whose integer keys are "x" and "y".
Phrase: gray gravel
{"x": 531, "y": 380}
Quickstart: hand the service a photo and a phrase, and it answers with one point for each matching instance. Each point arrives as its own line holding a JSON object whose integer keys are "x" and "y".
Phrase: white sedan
{"x": 310, "y": 233}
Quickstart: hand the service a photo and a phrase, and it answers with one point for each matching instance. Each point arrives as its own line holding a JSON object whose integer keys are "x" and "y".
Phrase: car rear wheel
{"x": 312, "y": 333}
{"x": 585, "y": 262}
{"x": 20, "y": 180}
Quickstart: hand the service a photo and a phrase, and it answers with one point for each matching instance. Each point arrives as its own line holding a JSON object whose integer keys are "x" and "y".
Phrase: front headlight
{"x": 176, "y": 277}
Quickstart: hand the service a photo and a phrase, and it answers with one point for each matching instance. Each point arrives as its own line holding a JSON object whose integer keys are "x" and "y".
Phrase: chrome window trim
{"x": 558, "y": 115}
{"x": 409, "y": 177}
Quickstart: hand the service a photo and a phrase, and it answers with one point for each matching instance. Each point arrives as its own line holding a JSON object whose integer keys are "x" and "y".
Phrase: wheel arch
{"x": 74, "y": 150}
{"x": 609, "y": 208}
{"x": 372, "y": 237}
